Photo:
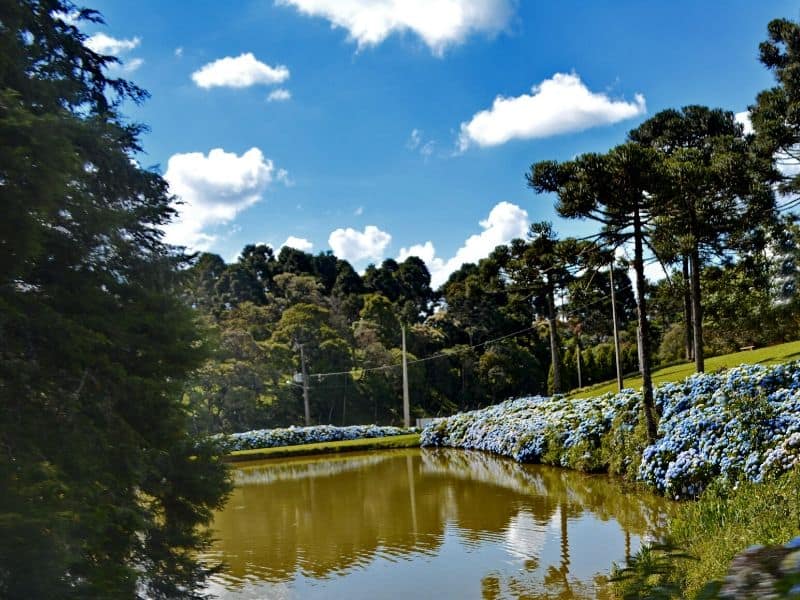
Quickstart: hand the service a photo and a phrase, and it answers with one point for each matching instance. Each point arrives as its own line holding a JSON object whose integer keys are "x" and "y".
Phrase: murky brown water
{"x": 425, "y": 524}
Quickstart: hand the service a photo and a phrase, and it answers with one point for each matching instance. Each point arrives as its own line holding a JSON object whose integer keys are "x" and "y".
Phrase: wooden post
{"x": 406, "y": 403}
{"x": 306, "y": 404}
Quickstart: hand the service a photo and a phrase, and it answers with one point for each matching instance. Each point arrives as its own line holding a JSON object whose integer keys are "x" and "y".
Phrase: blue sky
{"x": 383, "y": 135}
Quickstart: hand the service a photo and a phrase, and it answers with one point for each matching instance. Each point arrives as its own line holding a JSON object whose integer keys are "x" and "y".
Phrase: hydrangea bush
{"x": 558, "y": 431}
{"x": 294, "y": 436}
{"x": 740, "y": 424}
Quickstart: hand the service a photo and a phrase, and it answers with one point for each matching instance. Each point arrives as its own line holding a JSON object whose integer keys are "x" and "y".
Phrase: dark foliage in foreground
{"x": 102, "y": 489}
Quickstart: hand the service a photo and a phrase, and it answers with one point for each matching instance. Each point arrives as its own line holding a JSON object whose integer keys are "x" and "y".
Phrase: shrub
{"x": 294, "y": 436}
{"x": 742, "y": 424}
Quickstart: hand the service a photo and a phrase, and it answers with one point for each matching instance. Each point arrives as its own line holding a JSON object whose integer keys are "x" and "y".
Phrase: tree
{"x": 200, "y": 282}
{"x": 380, "y": 312}
{"x": 308, "y": 325}
{"x": 538, "y": 270}
{"x": 416, "y": 297}
{"x": 383, "y": 279}
{"x": 476, "y": 306}
{"x": 292, "y": 260}
{"x": 238, "y": 284}
{"x": 104, "y": 492}
{"x": 776, "y": 113}
{"x": 590, "y": 303}
{"x": 508, "y": 369}
{"x": 259, "y": 259}
{"x": 613, "y": 189}
{"x": 713, "y": 191}
{"x": 325, "y": 269}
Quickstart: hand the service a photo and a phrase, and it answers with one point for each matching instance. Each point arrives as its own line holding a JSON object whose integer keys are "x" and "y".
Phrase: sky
{"x": 387, "y": 128}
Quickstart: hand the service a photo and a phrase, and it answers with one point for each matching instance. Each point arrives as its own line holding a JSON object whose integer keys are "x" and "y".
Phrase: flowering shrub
{"x": 558, "y": 431}
{"x": 741, "y": 424}
{"x": 294, "y": 436}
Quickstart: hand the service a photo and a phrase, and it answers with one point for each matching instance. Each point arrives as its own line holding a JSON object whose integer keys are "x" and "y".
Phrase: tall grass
{"x": 705, "y": 536}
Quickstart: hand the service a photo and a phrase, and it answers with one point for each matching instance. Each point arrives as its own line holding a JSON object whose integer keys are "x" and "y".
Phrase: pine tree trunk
{"x": 687, "y": 310}
{"x": 648, "y": 403}
{"x": 697, "y": 311}
{"x": 555, "y": 355}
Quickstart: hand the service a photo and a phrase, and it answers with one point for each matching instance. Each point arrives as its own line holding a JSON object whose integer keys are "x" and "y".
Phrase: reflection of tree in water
{"x": 603, "y": 496}
{"x": 324, "y": 517}
{"x": 302, "y": 468}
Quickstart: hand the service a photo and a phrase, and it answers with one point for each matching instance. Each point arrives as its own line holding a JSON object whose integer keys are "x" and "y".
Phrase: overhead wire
{"x": 456, "y": 351}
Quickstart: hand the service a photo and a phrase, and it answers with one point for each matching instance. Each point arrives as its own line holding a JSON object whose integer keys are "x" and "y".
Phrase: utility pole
{"x": 620, "y": 383}
{"x": 406, "y": 404}
{"x": 306, "y": 404}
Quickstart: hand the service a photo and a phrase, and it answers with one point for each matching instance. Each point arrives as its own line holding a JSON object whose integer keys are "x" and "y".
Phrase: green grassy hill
{"x": 763, "y": 356}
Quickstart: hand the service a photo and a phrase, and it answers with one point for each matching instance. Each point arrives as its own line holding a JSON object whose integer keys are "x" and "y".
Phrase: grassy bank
{"x": 709, "y": 533}
{"x": 396, "y": 441}
{"x": 759, "y": 356}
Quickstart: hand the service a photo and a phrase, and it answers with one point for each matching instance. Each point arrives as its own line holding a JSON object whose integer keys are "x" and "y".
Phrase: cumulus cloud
{"x": 213, "y": 189}
{"x": 70, "y": 18}
{"x": 505, "y": 222}
{"x": 439, "y": 23}
{"x": 298, "y": 243}
{"x": 354, "y": 246}
{"x": 239, "y": 72}
{"x": 744, "y": 119}
{"x": 279, "y": 95}
{"x": 426, "y": 252}
{"x": 562, "y": 104}
{"x": 105, "y": 44}
{"x": 126, "y": 67}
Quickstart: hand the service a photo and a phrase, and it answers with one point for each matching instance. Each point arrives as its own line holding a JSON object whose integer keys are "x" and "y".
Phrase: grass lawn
{"x": 410, "y": 440}
{"x": 763, "y": 356}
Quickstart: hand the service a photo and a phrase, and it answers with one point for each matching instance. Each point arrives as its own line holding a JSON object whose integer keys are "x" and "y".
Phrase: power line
{"x": 320, "y": 376}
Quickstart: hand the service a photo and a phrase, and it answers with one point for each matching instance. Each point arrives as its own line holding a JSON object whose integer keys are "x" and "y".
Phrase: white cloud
{"x": 426, "y": 252}
{"x": 70, "y": 18}
{"x": 283, "y": 176}
{"x": 126, "y": 67}
{"x": 179, "y": 51}
{"x": 414, "y": 140}
{"x": 439, "y": 23}
{"x": 418, "y": 144}
{"x": 214, "y": 188}
{"x": 105, "y": 44}
{"x": 279, "y": 95}
{"x": 744, "y": 118}
{"x": 558, "y": 105}
{"x": 505, "y": 222}
{"x": 242, "y": 71}
{"x": 359, "y": 211}
{"x": 298, "y": 243}
{"x": 354, "y": 246}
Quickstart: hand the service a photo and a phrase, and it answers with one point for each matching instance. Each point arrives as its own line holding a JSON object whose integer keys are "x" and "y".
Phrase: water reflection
{"x": 427, "y": 524}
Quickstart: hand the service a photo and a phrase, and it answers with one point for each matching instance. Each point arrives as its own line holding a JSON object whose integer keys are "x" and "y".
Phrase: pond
{"x": 425, "y": 524}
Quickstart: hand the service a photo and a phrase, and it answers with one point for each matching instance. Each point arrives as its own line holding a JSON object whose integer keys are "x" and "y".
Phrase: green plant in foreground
{"x": 710, "y": 533}
{"x": 649, "y": 573}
